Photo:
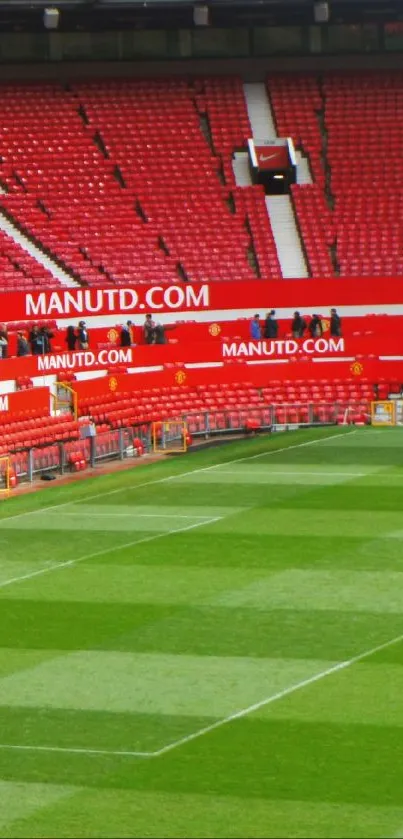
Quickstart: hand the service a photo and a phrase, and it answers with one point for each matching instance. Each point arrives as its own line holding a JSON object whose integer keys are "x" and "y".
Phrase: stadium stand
{"x": 33, "y": 430}
{"x": 346, "y": 122}
{"x": 133, "y": 181}
{"x": 119, "y": 183}
{"x": 35, "y": 443}
{"x": 365, "y": 133}
{"x": 19, "y": 271}
{"x": 229, "y": 406}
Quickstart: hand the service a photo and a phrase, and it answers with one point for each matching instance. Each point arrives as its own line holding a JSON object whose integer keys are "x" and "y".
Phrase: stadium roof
{"x": 23, "y": 15}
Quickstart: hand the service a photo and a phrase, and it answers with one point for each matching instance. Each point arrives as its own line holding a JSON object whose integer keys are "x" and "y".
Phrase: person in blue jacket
{"x": 255, "y": 329}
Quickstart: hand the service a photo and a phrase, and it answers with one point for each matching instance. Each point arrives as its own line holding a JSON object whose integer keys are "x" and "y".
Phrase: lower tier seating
{"x": 207, "y": 408}
{"x": 34, "y": 430}
{"x": 119, "y": 410}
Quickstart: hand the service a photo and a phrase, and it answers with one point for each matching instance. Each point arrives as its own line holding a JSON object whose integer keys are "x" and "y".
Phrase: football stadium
{"x": 201, "y": 419}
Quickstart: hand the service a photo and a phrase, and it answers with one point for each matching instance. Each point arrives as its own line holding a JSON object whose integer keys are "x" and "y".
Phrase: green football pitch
{"x": 208, "y": 646}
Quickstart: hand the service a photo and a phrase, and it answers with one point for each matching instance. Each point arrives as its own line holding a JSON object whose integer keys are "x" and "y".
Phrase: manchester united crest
{"x": 113, "y": 336}
{"x": 180, "y": 377}
{"x": 113, "y": 384}
{"x": 214, "y": 329}
{"x": 325, "y": 324}
{"x": 356, "y": 368}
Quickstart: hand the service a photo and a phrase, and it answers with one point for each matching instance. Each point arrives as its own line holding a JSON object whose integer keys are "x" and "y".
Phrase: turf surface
{"x": 211, "y": 646}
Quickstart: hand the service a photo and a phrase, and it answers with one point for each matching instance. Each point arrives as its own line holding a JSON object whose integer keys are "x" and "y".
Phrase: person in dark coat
{"x": 271, "y": 326}
{"x": 35, "y": 339}
{"x": 22, "y": 344}
{"x": 160, "y": 334}
{"x": 149, "y": 330}
{"x": 3, "y": 341}
{"x": 298, "y": 325}
{"x": 83, "y": 337}
{"x": 315, "y": 326}
{"x": 71, "y": 338}
{"x": 46, "y": 336}
{"x": 126, "y": 334}
{"x": 335, "y": 324}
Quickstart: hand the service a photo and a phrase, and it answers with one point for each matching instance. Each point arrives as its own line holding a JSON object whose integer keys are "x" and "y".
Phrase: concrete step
{"x": 303, "y": 169}
{"x": 259, "y": 111}
{"x": 240, "y": 165}
{"x": 286, "y": 236}
{"x": 47, "y": 262}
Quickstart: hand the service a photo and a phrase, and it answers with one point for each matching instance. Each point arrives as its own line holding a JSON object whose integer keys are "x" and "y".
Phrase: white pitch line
{"x": 237, "y": 715}
{"x": 75, "y": 751}
{"x": 72, "y": 562}
{"x": 155, "y": 481}
{"x": 239, "y": 474}
{"x": 132, "y": 515}
{"x": 244, "y": 712}
{"x": 41, "y": 571}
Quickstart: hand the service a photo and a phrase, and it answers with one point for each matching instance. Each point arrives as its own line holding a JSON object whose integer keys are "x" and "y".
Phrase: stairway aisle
{"x": 286, "y": 236}
{"x": 259, "y": 111}
{"x": 240, "y": 166}
{"x": 47, "y": 262}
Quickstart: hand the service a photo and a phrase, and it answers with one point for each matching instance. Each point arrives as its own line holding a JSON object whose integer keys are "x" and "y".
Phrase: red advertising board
{"x": 282, "y": 350}
{"x": 259, "y": 375}
{"x": 72, "y": 304}
{"x": 24, "y": 401}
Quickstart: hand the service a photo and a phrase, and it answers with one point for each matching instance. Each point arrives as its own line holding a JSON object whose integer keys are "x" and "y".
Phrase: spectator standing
{"x": 126, "y": 334}
{"x": 315, "y": 327}
{"x": 22, "y": 344}
{"x": 271, "y": 326}
{"x": 46, "y": 334}
{"x": 298, "y": 325}
{"x": 335, "y": 324}
{"x": 255, "y": 329}
{"x": 83, "y": 337}
{"x": 35, "y": 339}
{"x": 159, "y": 333}
{"x": 71, "y": 338}
{"x": 3, "y": 340}
{"x": 149, "y": 330}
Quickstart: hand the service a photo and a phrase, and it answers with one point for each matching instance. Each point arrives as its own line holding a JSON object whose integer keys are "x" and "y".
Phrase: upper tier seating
{"x": 316, "y": 228}
{"x": 351, "y": 126}
{"x": 134, "y": 180}
{"x": 364, "y": 119}
{"x": 131, "y": 181}
{"x": 19, "y": 271}
{"x": 296, "y": 101}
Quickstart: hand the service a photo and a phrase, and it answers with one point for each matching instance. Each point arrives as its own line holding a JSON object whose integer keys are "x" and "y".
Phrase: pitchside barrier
{"x": 387, "y": 412}
{"x": 170, "y": 436}
{"x": 6, "y": 473}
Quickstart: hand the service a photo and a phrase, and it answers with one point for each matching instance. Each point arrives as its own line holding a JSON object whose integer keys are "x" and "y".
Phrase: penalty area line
{"x": 72, "y": 562}
{"x": 154, "y": 481}
{"x": 202, "y": 732}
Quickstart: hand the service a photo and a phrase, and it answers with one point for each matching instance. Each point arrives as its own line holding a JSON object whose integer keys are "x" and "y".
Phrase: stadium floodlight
{"x": 51, "y": 18}
{"x": 201, "y": 16}
{"x": 321, "y": 12}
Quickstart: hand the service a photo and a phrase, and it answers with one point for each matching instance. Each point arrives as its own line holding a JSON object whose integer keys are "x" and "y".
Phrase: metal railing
{"x": 122, "y": 443}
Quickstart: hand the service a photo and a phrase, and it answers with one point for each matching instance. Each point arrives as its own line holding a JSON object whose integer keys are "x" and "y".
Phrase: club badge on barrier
{"x": 180, "y": 377}
{"x": 357, "y": 368}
